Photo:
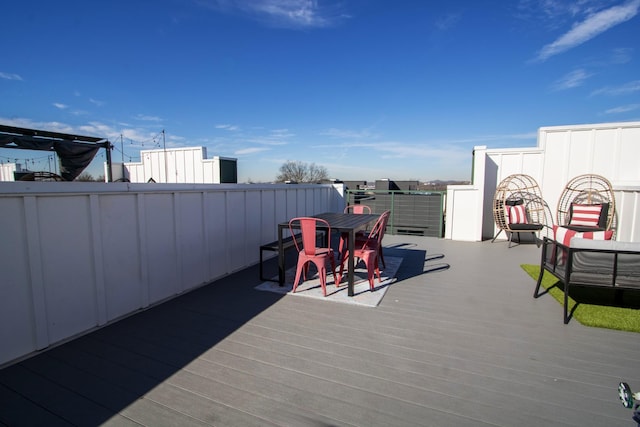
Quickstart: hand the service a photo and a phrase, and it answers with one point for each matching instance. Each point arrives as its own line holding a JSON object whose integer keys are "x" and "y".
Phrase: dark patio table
{"x": 341, "y": 222}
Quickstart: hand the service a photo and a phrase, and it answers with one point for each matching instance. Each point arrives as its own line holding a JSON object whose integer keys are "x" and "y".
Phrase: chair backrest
{"x": 588, "y": 189}
{"x": 357, "y": 209}
{"x": 308, "y": 226}
{"x": 519, "y": 190}
{"x": 377, "y": 232}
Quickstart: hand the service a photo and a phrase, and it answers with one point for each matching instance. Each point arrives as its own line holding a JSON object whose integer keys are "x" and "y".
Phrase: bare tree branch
{"x": 297, "y": 171}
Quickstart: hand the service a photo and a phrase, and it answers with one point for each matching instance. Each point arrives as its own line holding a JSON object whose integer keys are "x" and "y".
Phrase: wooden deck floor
{"x": 458, "y": 340}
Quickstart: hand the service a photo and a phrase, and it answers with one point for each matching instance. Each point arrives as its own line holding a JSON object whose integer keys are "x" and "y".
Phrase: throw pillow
{"x": 564, "y": 235}
{"x": 585, "y": 215}
{"x": 517, "y": 214}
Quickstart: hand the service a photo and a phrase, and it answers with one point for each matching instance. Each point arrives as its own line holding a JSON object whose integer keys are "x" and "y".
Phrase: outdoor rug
{"x": 592, "y": 307}
{"x": 310, "y": 288}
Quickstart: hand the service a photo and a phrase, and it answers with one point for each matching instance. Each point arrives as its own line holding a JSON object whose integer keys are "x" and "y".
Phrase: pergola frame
{"x": 18, "y": 134}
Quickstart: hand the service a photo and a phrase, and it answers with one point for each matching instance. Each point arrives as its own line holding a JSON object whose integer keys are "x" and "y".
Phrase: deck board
{"x": 458, "y": 340}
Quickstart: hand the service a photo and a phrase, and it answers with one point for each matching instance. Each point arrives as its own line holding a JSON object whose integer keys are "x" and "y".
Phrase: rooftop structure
{"x": 75, "y": 152}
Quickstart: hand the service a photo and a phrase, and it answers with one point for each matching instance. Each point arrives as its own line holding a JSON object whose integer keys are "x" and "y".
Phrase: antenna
{"x": 164, "y": 148}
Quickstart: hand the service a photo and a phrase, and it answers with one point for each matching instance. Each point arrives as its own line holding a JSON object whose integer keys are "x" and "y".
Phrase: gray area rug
{"x": 363, "y": 296}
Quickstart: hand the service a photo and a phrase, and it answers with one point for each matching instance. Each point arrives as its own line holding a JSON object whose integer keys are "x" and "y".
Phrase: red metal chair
{"x": 367, "y": 248}
{"x": 308, "y": 250}
{"x": 377, "y": 236}
{"x": 357, "y": 209}
{"x": 354, "y": 209}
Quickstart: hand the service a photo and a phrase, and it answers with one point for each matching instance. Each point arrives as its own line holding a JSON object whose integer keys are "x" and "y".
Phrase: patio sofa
{"x": 591, "y": 263}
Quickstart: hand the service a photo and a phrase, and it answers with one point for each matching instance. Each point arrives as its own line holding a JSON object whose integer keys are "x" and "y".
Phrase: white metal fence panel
{"x": 75, "y": 256}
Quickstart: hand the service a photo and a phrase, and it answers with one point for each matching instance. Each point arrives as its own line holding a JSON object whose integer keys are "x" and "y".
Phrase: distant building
{"x": 178, "y": 165}
{"x": 8, "y": 171}
{"x": 355, "y": 185}
{"x": 389, "y": 184}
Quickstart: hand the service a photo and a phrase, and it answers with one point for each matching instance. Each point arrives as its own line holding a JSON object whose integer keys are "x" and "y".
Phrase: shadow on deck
{"x": 457, "y": 340}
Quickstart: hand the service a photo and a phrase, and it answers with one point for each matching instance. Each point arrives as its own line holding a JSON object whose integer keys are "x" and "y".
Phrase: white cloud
{"x": 594, "y": 25}
{"x": 96, "y": 102}
{"x": 448, "y": 158}
{"x": 146, "y": 118}
{"x": 348, "y": 134}
{"x": 621, "y": 55}
{"x": 9, "y": 76}
{"x": 625, "y": 89}
{"x": 623, "y": 109}
{"x": 281, "y": 13}
{"x": 447, "y": 22}
{"x": 60, "y": 106}
{"x": 573, "y": 79}
{"x": 281, "y": 133}
{"x": 252, "y": 150}
{"x": 227, "y": 127}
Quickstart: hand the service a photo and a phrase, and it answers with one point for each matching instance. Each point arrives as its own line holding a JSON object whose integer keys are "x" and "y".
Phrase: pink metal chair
{"x": 367, "y": 248}
{"x": 354, "y": 209}
{"x": 377, "y": 236}
{"x": 357, "y": 209}
{"x": 308, "y": 250}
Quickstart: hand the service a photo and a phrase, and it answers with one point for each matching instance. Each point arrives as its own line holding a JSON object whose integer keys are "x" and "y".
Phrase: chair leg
{"x": 344, "y": 243}
{"x": 322, "y": 275}
{"x": 381, "y": 257}
{"x": 333, "y": 269}
{"x": 302, "y": 265}
{"x": 370, "y": 259}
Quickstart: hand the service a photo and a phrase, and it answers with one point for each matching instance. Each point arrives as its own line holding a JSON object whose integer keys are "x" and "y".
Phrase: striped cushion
{"x": 564, "y": 235}
{"x": 585, "y": 215}
{"x": 517, "y": 214}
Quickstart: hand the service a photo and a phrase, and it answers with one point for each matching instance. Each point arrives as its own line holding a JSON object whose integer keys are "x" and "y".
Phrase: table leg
{"x": 350, "y": 272}
{"x": 280, "y": 257}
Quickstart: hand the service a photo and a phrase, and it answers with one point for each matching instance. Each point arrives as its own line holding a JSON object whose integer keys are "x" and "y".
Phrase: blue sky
{"x": 366, "y": 88}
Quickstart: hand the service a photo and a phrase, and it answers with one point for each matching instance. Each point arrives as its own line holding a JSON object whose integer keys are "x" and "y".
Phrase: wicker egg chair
{"x": 588, "y": 189}
{"x": 519, "y": 190}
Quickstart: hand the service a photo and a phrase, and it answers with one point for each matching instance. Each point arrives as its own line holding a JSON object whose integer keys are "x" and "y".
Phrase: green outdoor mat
{"x": 595, "y": 307}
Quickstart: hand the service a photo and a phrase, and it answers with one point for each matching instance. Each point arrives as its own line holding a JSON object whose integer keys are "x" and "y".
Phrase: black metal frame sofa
{"x": 595, "y": 263}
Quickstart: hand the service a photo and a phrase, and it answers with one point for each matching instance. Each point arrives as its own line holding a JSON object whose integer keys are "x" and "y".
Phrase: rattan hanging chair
{"x": 588, "y": 189}
{"x": 519, "y": 190}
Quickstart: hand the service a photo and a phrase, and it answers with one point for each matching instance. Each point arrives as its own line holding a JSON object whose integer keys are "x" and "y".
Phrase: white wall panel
{"x": 17, "y": 321}
{"x": 464, "y": 224}
{"x": 68, "y": 270}
{"x": 192, "y": 249}
{"x": 121, "y": 254}
{"x": 580, "y": 153}
{"x": 628, "y": 206}
{"x": 236, "y": 221}
{"x": 218, "y": 233}
{"x": 253, "y": 226}
{"x": 268, "y": 216}
{"x": 604, "y": 146}
{"x": 626, "y": 164}
{"x": 160, "y": 235}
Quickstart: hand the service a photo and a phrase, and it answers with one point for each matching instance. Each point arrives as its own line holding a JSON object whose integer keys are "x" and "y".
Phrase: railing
{"x": 412, "y": 212}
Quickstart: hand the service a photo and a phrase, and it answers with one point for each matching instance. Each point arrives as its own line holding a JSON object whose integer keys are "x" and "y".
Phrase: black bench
{"x": 591, "y": 263}
{"x": 274, "y": 247}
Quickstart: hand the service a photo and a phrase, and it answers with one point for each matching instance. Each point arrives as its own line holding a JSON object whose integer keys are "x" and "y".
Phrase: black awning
{"x": 74, "y": 151}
